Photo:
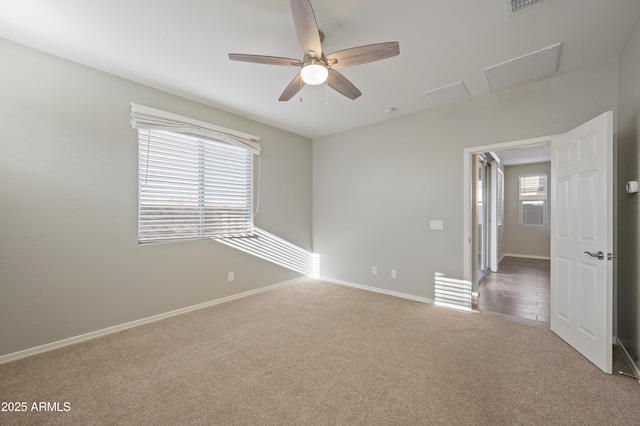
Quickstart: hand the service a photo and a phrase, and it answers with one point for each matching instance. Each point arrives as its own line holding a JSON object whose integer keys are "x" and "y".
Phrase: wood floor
{"x": 518, "y": 291}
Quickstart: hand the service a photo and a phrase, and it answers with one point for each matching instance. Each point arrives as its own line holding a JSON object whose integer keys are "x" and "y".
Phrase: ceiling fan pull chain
{"x": 301, "y": 86}
{"x": 326, "y": 95}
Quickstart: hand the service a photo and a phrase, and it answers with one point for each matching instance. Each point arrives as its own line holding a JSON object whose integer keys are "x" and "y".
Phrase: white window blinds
{"x": 533, "y": 196}
{"x": 191, "y": 187}
{"x": 533, "y": 187}
{"x": 500, "y": 199}
{"x": 144, "y": 117}
{"x": 195, "y": 179}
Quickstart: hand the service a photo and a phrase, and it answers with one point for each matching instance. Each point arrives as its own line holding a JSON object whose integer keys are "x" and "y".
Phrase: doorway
{"x": 582, "y": 223}
{"x": 513, "y": 284}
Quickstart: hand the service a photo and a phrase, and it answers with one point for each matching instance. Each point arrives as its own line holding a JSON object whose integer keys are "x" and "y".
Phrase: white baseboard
{"x": 526, "y": 256}
{"x": 378, "y": 290}
{"x": 632, "y": 365}
{"x": 110, "y": 330}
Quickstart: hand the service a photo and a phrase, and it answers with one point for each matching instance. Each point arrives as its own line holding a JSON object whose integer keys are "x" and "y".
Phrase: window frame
{"x": 531, "y": 198}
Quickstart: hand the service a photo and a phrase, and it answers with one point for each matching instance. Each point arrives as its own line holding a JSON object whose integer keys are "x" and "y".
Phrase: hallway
{"x": 519, "y": 291}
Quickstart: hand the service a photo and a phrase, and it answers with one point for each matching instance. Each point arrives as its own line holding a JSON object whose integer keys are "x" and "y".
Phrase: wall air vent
{"x": 516, "y": 6}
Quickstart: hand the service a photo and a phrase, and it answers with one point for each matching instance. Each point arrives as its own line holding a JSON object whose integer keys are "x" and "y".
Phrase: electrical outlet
{"x": 374, "y": 270}
{"x": 394, "y": 273}
{"x": 231, "y": 276}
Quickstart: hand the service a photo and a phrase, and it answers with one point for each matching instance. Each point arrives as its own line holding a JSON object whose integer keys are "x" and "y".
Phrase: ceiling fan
{"x": 315, "y": 66}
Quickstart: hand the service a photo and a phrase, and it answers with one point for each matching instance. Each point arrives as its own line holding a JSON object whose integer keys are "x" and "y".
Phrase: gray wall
{"x": 628, "y": 213}
{"x": 527, "y": 241}
{"x": 69, "y": 258}
{"x": 376, "y": 188}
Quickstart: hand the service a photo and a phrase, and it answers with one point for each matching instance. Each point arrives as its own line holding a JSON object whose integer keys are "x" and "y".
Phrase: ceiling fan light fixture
{"x": 315, "y": 66}
{"x": 314, "y": 72}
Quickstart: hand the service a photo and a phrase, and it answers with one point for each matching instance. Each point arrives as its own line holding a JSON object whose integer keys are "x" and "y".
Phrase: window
{"x": 533, "y": 200}
{"x": 195, "y": 179}
{"x": 190, "y": 187}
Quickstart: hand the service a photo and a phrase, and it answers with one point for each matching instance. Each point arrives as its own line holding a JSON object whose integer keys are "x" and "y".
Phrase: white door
{"x": 582, "y": 226}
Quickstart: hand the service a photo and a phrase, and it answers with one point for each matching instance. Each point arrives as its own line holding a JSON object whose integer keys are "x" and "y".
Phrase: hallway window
{"x": 533, "y": 200}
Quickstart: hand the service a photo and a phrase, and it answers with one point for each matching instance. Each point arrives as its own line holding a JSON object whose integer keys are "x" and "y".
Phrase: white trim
{"x": 629, "y": 360}
{"x": 527, "y": 256}
{"x": 466, "y": 190}
{"x": 110, "y": 330}
{"x": 378, "y": 290}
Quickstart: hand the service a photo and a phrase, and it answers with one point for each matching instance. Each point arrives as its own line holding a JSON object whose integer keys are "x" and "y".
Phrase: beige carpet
{"x": 315, "y": 353}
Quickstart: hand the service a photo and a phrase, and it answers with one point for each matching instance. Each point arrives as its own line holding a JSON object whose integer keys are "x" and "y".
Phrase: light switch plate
{"x": 437, "y": 225}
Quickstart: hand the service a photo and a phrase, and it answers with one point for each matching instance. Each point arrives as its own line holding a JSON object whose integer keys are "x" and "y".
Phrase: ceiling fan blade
{"x": 294, "y": 87}
{"x": 306, "y": 28}
{"x": 363, "y": 54}
{"x": 340, "y": 84}
{"x": 260, "y": 59}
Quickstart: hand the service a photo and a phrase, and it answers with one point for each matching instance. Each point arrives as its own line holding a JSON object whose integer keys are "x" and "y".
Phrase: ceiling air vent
{"x": 516, "y": 6}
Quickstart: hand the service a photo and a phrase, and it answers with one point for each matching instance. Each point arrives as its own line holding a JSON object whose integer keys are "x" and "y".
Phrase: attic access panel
{"x": 534, "y": 66}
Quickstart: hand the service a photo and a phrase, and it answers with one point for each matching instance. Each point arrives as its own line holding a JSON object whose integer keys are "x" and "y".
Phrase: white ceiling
{"x": 181, "y": 46}
{"x": 525, "y": 155}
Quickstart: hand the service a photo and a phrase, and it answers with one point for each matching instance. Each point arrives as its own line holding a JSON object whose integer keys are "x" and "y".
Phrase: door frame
{"x": 467, "y": 235}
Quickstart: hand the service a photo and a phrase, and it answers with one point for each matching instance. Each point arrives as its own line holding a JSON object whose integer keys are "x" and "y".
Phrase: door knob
{"x": 599, "y": 255}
